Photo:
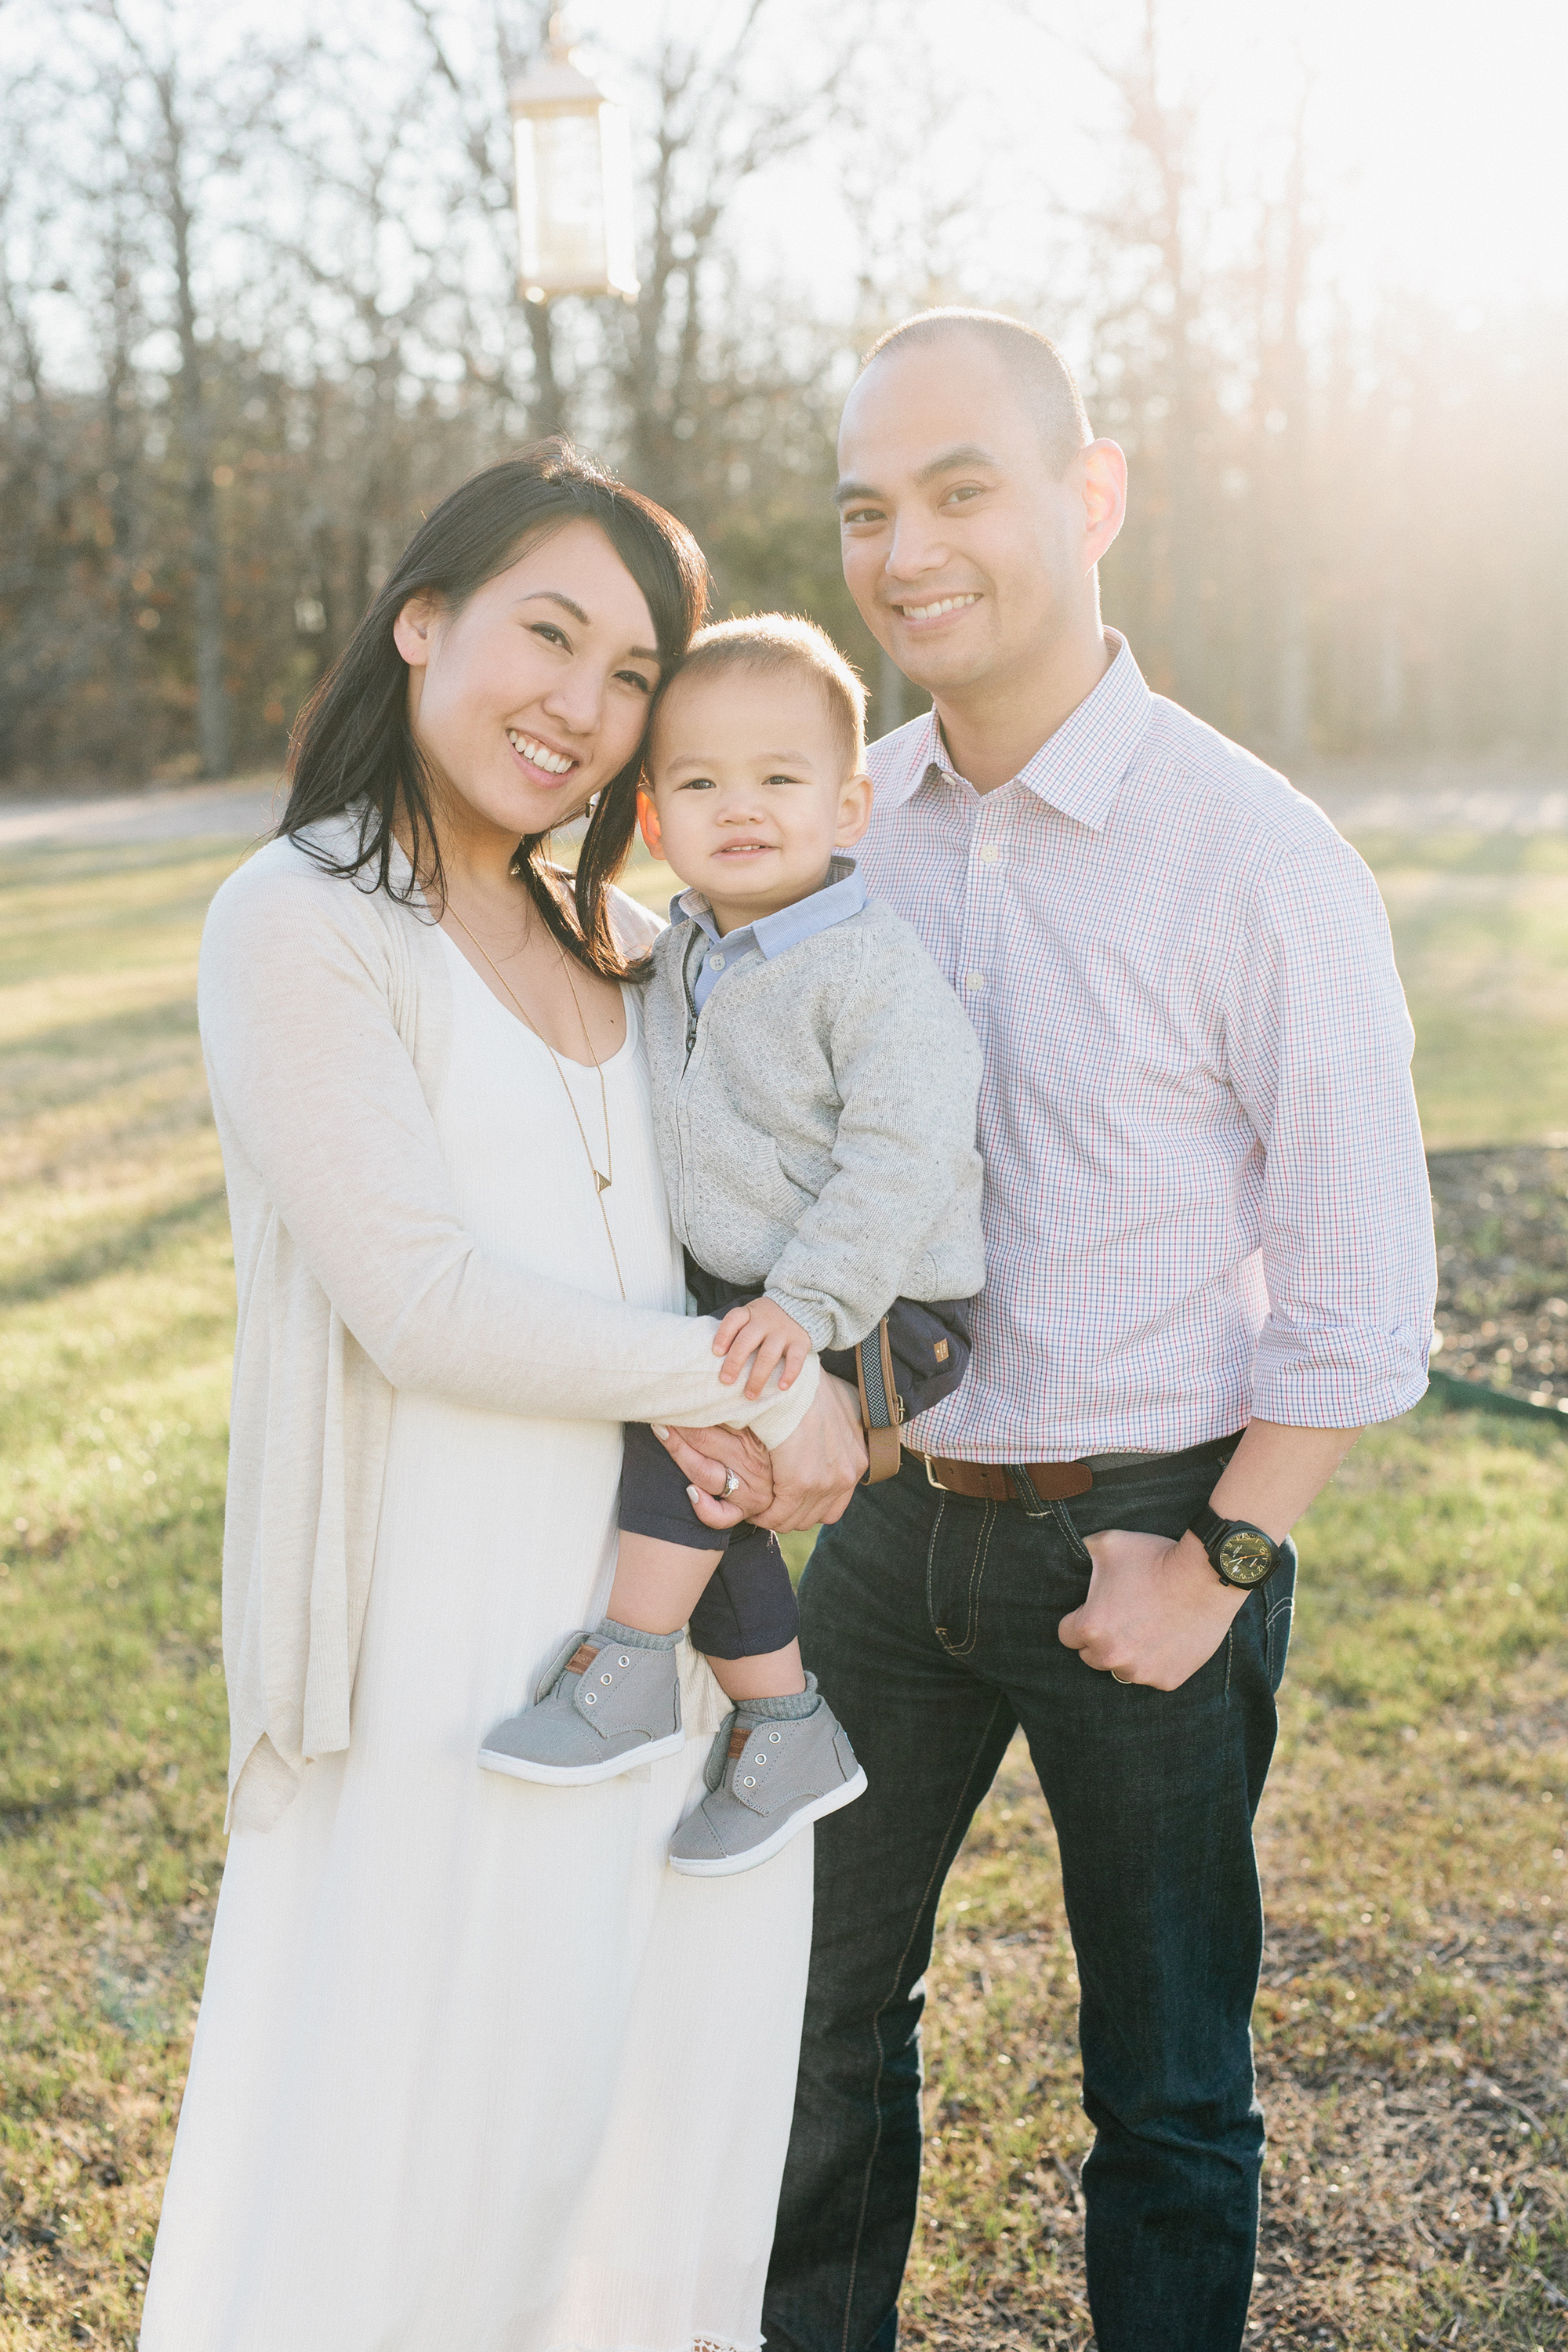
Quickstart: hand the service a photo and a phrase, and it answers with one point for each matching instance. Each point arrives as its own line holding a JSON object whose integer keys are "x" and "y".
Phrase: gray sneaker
{"x": 601, "y": 1709}
{"x": 768, "y": 1779}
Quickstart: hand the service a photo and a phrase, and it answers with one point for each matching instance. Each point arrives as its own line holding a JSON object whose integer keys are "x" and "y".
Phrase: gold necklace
{"x": 602, "y": 1182}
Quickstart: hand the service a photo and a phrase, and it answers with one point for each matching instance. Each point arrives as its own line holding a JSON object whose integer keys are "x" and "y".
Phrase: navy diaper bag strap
{"x": 881, "y": 1406}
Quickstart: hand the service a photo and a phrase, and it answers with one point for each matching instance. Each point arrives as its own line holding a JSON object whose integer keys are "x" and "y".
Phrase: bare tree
{"x": 514, "y": 38}
{"x": 716, "y": 119}
{"x": 69, "y": 457}
{"x": 36, "y": 601}
{"x": 1283, "y": 382}
{"x": 252, "y": 324}
{"x": 716, "y": 126}
{"x": 177, "y": 135}
{"x": 375, "y": 328}
{"x": 1154, "y": 218}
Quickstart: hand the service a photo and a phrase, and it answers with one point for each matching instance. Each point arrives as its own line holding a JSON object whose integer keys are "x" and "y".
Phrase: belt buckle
{"x": 931, "y": 1479}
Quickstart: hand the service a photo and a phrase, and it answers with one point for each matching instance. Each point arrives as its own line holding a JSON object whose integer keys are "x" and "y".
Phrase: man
{"x": 1210, "y": 1262}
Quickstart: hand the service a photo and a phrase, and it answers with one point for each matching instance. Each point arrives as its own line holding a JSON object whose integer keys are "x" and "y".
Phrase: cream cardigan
{"x": 325, "y": 1012}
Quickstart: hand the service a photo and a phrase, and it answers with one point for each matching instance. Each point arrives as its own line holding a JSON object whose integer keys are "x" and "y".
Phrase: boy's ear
{"x": 647, "y": 821}
{"x": 854, "y": 810}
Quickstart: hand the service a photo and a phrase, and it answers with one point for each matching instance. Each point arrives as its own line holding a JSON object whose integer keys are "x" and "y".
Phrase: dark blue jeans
{"x": 931, "y": 1623}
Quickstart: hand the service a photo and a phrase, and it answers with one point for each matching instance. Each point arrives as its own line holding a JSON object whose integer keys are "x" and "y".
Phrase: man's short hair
{"x": 775, "y": 642}
{"x": 1044, "y": 382}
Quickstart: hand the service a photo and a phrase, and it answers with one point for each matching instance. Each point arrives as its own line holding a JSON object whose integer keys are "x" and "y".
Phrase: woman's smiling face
{"x": 532, "y": 695}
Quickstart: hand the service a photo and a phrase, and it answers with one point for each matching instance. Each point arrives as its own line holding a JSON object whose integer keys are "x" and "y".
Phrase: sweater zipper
{"x": 692, "y": 1017}
{"x": 691, "y": 1013}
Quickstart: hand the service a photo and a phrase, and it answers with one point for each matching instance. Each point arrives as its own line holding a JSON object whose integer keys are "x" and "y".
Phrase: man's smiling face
{"x": 962, "y": 549}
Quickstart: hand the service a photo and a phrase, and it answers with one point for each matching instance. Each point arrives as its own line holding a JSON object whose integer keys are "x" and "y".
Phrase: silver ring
{"x": 1125, "y": 1680}
{"x": 731, "y": 1480}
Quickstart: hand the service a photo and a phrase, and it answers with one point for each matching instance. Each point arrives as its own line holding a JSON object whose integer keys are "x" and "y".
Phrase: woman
{"x": 474, "y": 2072}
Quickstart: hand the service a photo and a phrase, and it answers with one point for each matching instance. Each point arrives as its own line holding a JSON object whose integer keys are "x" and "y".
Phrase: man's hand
{"x": 761, "y": 1332}
{"x": 1156, "y": 1610}
{"x": 816, "y": 1469}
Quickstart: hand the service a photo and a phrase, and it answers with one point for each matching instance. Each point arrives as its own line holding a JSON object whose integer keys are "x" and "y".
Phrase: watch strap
{"x": 1213, "y": 1531}
{"x": 1208, "y": 1527}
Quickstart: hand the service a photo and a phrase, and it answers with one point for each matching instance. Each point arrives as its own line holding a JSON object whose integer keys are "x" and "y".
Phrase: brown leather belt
{"x": 1052, "y": 1482}
{"x": 989, "y": 1482}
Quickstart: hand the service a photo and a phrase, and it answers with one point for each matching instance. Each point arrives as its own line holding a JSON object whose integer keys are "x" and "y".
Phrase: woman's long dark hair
{"x": 353, "y": 745}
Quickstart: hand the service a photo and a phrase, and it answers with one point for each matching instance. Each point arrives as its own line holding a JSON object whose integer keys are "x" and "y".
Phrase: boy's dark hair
{"x": 784, "y": 641}
{"x": 352, "y": 743}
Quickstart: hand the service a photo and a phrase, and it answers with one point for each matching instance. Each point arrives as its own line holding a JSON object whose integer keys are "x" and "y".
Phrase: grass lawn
{"x": 1413, "y": 2025}
{"x": 1480, "y": 927}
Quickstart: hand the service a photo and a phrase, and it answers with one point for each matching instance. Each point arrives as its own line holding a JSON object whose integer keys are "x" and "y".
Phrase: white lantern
{"x": 573, "y": 182}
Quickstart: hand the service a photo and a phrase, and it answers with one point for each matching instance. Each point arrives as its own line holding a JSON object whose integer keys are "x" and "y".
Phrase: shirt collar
{"x": 842, "y": 894}
{"x": 1079, "y": 769}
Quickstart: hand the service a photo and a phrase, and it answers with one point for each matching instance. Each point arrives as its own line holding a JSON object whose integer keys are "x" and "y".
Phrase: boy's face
{"x": 752, "y": 791}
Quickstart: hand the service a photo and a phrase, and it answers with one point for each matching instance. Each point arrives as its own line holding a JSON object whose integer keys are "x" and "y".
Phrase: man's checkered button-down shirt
{"x": 1205, "y": 1194}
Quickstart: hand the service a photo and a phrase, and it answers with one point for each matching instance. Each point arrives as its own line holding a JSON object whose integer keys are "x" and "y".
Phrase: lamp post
{"x": 574, "y": 171}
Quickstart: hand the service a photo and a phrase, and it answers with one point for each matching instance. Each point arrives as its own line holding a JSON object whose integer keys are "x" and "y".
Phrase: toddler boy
{"x": 815, "y": 1085}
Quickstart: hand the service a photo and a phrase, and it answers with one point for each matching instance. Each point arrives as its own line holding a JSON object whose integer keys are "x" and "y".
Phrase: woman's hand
{"x": 808, "y": 1481}
{"x": 707, "y": 1457}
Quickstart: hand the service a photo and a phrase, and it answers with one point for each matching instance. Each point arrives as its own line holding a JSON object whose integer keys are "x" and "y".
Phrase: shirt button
{"x": 717, "y": 962}
{"x": 974, "y": 980}
{"x": 989, "y": 852}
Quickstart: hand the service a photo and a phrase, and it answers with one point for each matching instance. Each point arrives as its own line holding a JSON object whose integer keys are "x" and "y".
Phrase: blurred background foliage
{"x": 257, "y": 312}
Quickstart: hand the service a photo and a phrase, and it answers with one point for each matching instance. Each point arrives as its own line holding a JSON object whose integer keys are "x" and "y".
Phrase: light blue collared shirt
{"x": 842, "y": 894}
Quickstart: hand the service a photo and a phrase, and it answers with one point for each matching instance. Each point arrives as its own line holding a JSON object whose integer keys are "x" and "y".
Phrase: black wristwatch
{"x": 1239, "y": 1553}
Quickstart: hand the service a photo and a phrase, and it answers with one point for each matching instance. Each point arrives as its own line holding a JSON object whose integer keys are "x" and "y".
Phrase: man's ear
{"x": 647, "y": 821}
{"x": 1104, "y": 476}
{"x": 854, "y": 810}
{"x": 413, "y": 630}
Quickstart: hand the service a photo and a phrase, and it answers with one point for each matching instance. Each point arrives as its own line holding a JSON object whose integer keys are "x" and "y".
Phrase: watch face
{"x": 1245, "y": 1557}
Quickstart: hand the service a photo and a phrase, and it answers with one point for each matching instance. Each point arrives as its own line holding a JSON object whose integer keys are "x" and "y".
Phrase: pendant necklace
{"x": 602, "y": 1181}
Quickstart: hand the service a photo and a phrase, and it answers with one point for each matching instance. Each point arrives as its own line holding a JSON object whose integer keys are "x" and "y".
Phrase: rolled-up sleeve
{"x": 1319, "y": 1042}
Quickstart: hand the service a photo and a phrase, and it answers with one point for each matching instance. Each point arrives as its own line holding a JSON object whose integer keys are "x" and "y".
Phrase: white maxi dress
{"x": 474, "y": 2071}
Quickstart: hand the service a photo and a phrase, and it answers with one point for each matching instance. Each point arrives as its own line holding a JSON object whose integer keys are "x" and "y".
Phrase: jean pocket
{"x": 1081, "y": 1556}
{"x": 1276, "y": 1640}
{"x": 956, "y": 1559}
{"x": 1280, "y": 1609}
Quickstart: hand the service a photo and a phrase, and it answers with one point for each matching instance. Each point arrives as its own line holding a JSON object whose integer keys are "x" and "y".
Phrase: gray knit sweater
{"x": 816, "y": 1121}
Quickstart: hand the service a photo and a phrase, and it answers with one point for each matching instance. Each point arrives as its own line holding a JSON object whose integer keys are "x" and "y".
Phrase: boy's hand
{"x": 761, "y": 1333}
